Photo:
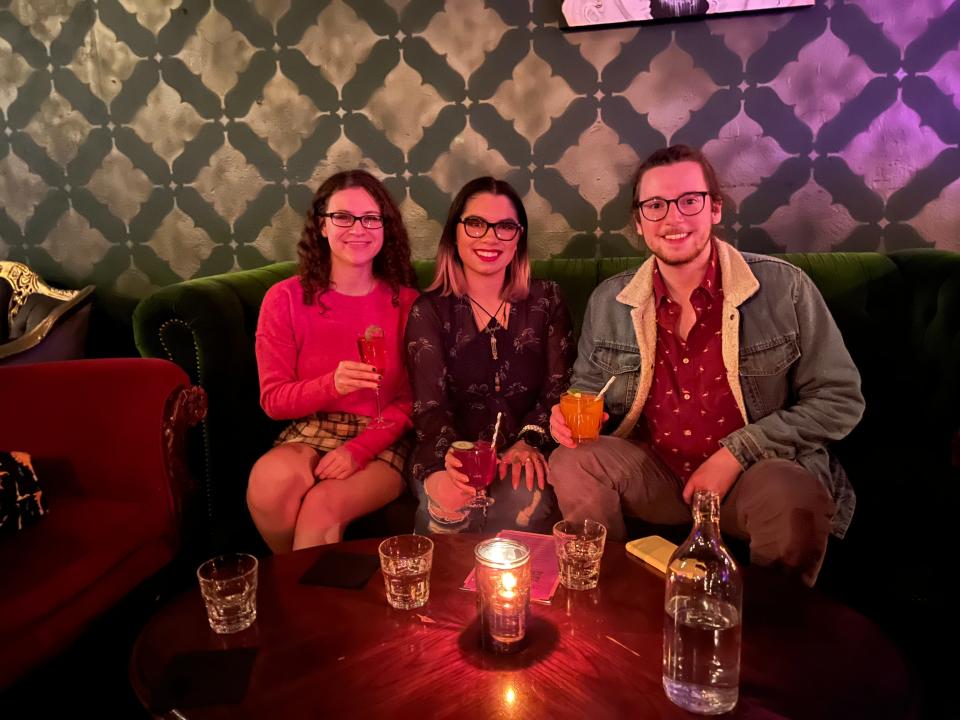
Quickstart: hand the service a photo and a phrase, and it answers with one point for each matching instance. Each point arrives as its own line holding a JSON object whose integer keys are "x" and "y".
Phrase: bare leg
{"x": 278, "y": 482}
{"x": 331, "y": 504}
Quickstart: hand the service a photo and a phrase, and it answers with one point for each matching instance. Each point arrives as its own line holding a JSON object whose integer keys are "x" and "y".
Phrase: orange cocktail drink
{"x": 583, "y": 412}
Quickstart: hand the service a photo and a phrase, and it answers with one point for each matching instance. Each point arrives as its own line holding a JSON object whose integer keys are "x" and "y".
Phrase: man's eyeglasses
{"x": 476, "y": 227}
{"x": 656, "y": 208}
{"x": 345, "y": 220}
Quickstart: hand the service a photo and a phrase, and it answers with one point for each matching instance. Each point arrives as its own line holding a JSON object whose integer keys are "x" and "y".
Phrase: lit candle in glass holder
{"x": 503, "y": 593}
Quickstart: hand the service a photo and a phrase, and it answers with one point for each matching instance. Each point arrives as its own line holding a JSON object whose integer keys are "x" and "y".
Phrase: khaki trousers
{"x": 780, "y": 507}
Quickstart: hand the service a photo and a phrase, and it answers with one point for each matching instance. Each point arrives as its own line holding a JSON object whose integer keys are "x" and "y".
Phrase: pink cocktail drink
{"x": 479, "y": 462}
{"x": 373, "y": 351}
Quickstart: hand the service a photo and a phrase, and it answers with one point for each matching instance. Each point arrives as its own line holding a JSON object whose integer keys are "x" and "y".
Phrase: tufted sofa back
{"x": 899, "y": 314}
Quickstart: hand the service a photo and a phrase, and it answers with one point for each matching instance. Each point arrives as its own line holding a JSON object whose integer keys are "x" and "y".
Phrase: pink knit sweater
{"x": 298, "y": 349}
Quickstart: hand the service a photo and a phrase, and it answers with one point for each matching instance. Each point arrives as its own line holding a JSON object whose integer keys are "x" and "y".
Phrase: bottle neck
{"x": 706, "y": 512}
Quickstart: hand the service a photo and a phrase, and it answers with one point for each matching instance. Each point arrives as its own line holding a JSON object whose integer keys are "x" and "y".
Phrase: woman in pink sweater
{"x": 331, "y": 465}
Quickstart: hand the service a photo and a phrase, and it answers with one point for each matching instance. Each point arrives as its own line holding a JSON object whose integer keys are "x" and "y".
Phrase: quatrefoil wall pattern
{"x": 143, "y": 142}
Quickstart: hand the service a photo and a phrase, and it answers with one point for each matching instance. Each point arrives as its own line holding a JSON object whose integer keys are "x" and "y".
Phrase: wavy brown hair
{"x": 392, "y": 263}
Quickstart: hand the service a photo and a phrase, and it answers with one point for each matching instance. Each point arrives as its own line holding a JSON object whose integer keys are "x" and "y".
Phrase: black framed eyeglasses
{"x": 345, "y": 220}
{"x": 656, "y": 208}
{"x": 476, "y": 227}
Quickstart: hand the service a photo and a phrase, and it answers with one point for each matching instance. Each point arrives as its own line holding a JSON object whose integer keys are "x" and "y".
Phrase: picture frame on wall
{"x": 585, "y": 13}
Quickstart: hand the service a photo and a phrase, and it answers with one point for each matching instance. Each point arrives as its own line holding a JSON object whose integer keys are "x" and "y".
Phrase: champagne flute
{"x": 373, "y": 351}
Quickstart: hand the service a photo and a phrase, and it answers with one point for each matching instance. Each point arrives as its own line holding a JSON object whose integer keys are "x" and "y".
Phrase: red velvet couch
{"x": 106, "y": 441}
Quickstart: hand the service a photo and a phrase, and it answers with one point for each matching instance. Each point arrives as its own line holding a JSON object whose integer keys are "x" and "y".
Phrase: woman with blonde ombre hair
{"x": 486, "y": 339}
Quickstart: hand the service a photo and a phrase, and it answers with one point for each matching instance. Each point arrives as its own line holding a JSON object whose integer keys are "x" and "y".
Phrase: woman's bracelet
{"x": 533, "y": 435}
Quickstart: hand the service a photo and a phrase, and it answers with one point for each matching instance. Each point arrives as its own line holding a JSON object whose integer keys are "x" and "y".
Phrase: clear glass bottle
{"x": 702, "y": 616}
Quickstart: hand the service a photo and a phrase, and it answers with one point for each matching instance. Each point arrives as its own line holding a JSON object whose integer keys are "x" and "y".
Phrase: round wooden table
{"x": 325, "y": 652}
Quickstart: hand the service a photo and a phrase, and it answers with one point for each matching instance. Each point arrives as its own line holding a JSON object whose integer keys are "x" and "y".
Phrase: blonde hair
{"x": 448, "y": 276}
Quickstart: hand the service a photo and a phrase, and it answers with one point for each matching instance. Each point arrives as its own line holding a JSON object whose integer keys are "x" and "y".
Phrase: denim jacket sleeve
{"x": 823, "y": 393}
{"x": 608, "y": 346}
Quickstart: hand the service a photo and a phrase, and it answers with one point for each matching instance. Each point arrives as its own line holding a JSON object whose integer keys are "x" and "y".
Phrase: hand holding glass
{"x": 478, "y": 461}
{"x": 583, "y": 413}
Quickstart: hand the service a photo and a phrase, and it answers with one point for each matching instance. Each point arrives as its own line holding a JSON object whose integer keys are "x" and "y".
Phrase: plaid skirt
{"x": 328, "y": 431}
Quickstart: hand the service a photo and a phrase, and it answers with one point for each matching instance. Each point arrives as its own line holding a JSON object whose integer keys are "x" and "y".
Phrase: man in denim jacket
{"x": 731, "y": 376}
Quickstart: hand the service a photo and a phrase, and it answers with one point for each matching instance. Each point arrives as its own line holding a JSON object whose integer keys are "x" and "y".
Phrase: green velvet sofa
{"x": 900, "y": 317}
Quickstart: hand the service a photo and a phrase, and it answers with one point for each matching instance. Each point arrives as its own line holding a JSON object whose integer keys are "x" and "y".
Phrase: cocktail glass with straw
{"x": 583, "y": 412}
{"x": 478, "y": 461}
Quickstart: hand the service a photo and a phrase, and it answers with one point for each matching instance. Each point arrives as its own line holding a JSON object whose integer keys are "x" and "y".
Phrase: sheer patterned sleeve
{"x": 560, "y": 354}
{"x": 427, "y": 366}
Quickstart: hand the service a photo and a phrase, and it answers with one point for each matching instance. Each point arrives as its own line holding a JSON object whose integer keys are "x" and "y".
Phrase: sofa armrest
{"x": 108, "y": 428}
{"x": 207, "y": 326}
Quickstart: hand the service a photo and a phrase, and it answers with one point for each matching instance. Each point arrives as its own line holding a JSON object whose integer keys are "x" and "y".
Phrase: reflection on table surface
{"x": 334, "y": 652}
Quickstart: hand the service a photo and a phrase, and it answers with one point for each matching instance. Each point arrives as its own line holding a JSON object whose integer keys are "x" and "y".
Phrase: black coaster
{"x": 341, "y": 570}
{"x": 211, "y": 677}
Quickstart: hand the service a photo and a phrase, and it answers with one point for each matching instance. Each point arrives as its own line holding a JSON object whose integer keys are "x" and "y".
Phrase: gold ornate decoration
{"x": 25, "y": 284}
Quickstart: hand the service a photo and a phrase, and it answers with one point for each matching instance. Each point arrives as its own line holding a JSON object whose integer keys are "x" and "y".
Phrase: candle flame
{"x": 509, "y": 581}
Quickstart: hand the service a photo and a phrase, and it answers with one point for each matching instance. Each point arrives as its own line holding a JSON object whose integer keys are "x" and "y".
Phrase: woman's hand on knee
{"x": 521, "y": 458}
{"x": 336, "y": 465}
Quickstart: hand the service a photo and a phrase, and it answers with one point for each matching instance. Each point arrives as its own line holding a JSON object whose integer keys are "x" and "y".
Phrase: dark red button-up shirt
{"x": 691, "y": 406}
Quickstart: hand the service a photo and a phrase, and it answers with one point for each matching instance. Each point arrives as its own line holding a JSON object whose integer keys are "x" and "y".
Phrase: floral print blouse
{"x": 458, "y": 385}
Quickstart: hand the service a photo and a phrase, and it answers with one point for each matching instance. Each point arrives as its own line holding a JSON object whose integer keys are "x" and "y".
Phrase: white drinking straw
{"x": 496, "y": 429}
{"x": 606, "y": 387}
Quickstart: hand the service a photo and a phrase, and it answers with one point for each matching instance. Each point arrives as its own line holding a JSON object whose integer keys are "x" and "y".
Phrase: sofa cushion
{"x": 79, "y": 542}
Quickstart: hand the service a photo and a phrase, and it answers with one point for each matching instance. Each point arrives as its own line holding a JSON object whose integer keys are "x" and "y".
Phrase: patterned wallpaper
{"x": 147, "y": 141}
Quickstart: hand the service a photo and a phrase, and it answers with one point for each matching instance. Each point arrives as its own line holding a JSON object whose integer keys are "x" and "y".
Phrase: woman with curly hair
{"x": 486, "y": 339}
{"x": 317, "y": 353}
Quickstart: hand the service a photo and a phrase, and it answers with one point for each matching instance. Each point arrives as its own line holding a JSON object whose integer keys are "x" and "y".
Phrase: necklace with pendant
{"x": 490, "y": 330}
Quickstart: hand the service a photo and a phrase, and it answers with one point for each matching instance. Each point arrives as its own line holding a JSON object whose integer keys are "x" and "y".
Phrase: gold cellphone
{"x": 653, "y": 550}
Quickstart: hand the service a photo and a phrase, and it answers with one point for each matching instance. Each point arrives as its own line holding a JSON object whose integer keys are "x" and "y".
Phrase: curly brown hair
{"x": 392, "y": 263}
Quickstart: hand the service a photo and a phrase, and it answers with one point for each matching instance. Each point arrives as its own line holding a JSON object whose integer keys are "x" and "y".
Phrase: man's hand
{"x": 521, "y": 456}
{"x": 336, "y": 465}
{"x": 717, "y": 474}
{"x": 559, "y": 429}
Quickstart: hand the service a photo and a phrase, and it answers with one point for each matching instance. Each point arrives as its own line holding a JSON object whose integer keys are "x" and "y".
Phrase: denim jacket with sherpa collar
{"x": 788, "y": 368}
